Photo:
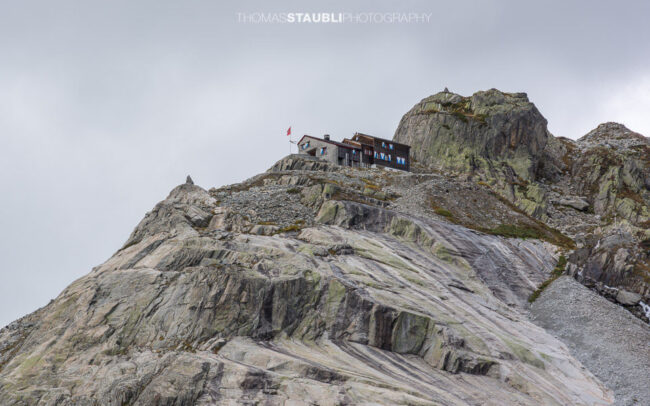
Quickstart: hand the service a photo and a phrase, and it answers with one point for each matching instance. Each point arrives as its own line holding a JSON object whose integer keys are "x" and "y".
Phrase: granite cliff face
{"x": 596, "y": 190}
{"x": 611, "y": 166}
{"x": 496, "y": 133}
{"x": 313, "y": 284}
{"x": 308, "y": 284}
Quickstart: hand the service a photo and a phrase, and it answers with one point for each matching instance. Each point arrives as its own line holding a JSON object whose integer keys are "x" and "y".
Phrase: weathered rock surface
{"x": 576, "y": 203}
{"x": 594, "y": 190}
{"x": 313, "y": 283}
{"x": 477, "y": 133}
{"x": 611, "y": 165}
{"x": 628, "y": 298}
{"x": 299, "y": 287}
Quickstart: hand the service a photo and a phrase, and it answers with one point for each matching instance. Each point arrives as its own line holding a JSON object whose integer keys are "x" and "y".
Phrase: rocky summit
{"x": 480, "y": 132}
{"x": 509, "y": 268}
{"x": 595, "y": 190}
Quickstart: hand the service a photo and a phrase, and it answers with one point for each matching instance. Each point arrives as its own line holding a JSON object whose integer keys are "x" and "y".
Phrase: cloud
{"x": 106, "y": 106}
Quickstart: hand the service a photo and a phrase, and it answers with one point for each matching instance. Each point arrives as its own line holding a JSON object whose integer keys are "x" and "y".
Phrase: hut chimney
{"x": 326, "y": 137}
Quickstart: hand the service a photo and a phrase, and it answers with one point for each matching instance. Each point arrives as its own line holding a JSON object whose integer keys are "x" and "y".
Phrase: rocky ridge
{"x": 476, "y": 134}
{"x": 308, "y": 284}
{"x": 315, "y": 284}
{"x": 595, "y": 190}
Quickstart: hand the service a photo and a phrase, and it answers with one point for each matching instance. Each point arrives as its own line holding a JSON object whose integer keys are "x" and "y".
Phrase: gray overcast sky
{"x": 105, "y": 106}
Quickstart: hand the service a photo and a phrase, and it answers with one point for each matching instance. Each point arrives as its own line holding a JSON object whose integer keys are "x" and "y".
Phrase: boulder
{"x": 575, "y": 202}
{"x": 628, "y": 298}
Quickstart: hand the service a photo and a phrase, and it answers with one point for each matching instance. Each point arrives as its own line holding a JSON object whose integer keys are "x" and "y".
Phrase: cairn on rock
{"x": 188, "y": 180}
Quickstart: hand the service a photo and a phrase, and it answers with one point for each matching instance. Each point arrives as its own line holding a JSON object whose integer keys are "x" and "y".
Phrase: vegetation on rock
{"x": 558, "y": 271}
{"x": 324, "y": 284}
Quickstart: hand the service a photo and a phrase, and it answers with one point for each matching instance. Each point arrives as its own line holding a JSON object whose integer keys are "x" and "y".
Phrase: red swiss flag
{"x": 289, "y": 131}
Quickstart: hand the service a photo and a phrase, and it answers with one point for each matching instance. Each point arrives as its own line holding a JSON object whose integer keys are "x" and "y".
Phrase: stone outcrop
{"x": 313, "y": 283}
{"x": 611, "y": 165}
{"x": 489, "y": 132}
{"x": 576, "y": 202}
{"x": 628, "y": 298}
{"x": 299, "y": 287}
{"x": 595, "y": 190}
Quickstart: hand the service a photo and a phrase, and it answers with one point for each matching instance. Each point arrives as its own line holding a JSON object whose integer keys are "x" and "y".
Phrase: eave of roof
{"x": 340, "y": 144}
{"x": 382, "y": 139}
{"x": 351, "y": 142}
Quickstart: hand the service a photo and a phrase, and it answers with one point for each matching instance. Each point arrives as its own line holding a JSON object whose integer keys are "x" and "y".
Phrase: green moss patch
{"x": 559, "y": 269}
{"x": 459, "y": 116}
{"x": 524, "y": 354}
{"x": 443, "y": 212}
{"x": 267, "y": 223}
{"x": 544, "y": 232}
{"x": 289, "y": 228}
{"x": 516, "y": 231}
